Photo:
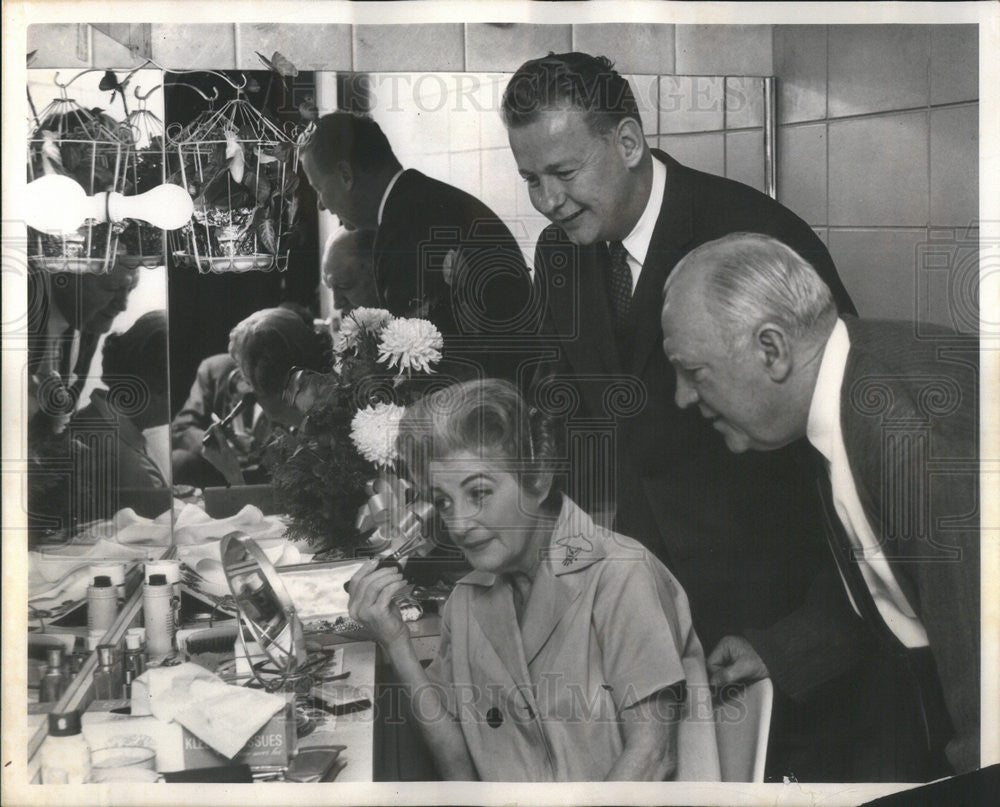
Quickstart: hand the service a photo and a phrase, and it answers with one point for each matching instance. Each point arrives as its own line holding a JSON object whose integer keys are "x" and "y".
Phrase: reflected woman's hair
{"x": 270, "y": 342}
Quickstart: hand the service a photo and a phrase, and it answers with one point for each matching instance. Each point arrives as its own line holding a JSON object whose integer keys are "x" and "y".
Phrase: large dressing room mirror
{"x": 98, "y": 361}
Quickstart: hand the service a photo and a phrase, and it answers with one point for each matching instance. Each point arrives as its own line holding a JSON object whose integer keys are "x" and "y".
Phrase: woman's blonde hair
{"x": 488, "y": 419}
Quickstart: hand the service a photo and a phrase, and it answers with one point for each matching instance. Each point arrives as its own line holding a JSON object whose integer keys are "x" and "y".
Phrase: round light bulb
{"x": 165, "y": 206}
{"x": 55, "y": 204}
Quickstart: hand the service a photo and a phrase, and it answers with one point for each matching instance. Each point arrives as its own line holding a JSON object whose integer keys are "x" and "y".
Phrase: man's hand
{"x": 734, "y": 661}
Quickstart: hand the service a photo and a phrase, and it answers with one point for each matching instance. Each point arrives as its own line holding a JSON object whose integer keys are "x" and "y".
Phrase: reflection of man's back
{"x": 67, "y": 315}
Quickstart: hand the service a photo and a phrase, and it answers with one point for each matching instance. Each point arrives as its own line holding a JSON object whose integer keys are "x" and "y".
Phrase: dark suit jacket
{"x": 442, "y": 254}
{"x": 55, "y": 402}
{"x": 909, "y": 421}
{"x": 739, "y": 531}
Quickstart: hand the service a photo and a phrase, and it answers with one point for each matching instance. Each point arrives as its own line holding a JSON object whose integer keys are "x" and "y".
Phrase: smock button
{"x": 494, "y": 718}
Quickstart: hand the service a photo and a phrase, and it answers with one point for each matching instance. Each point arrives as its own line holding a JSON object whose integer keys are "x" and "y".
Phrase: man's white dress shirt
{"x": 824, "y": 432}
{"x": 636, "y": 243}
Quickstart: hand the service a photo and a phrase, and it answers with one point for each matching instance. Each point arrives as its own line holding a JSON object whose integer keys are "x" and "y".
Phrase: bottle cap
{"x": 64, "y": 725}
{"x": 157, "y": 580}
{"x": 133, "y": 641}
{"x": 94, "y": 638}
{"x": 105, "y": 654}
{"x": 139, "y": 633}
{"x": 54, "y": 656}
{"x": 102, "y": 581}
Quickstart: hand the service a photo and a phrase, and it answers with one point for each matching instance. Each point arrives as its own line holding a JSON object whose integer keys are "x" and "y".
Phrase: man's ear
{"x": 773, "y": 345}
{"x": 631, "y": 141}
{"x": 346, "y": 173}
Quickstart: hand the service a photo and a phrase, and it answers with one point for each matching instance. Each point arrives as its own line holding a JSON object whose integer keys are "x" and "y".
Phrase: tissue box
{"x": 177, "y": 749}
{"x": 272, "y": 746}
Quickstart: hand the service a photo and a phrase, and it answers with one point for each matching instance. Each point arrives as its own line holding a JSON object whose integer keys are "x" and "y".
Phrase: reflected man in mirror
{"x": 68, "y": 312}
{"x": 439, "y": 253}
{"x": 347, "y": 270}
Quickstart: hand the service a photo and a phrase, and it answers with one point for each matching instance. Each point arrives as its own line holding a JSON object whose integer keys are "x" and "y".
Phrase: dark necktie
{"x": 918, "y": 663}
{"x": 619, "y": 286}
{"x": 843, "y": 554}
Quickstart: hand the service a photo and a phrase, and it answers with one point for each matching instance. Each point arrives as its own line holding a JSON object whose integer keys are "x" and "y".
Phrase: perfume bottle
{"x": 107, "y": 677}
{"x": 53, "y": 682}
{"x": 135, "y": 660}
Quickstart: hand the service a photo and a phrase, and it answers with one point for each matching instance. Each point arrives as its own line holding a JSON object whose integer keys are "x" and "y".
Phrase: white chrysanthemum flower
{"x": 374, "y": 430}
{"x": 411, "y": 344}
{"x": 357, "y": 322}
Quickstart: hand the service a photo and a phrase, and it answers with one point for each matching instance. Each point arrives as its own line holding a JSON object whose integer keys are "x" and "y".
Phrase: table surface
{"x": 356, "y": 730}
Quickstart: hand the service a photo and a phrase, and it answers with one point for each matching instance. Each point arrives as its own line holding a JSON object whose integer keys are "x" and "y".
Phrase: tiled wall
{"x": 877, "y": 147}
{"x": 448, "y": 125}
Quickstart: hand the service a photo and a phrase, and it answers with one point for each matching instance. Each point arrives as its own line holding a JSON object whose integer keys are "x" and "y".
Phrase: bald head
{"x": 746, "y": 278}
{"x": 348, "y": 270}
{"x": 745, "y": 321}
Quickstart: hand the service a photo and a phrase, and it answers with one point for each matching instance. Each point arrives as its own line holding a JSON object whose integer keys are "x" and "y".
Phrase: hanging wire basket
{"x": 93, "y": 149}
{"x": 146, "y": 168}
{"x": 241, "y": 170}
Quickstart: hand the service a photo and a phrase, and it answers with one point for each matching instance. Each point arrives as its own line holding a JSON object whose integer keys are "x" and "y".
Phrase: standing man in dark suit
{"x": 741, "y": 533}
{"x": 439, "y": 253}
{"x": 757, "y": 344}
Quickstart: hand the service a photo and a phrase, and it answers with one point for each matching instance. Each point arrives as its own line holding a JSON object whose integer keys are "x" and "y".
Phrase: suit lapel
{"x": 579, "y": 306}
{"x": 673, "y": 233}
{"x": 866, "y": 458}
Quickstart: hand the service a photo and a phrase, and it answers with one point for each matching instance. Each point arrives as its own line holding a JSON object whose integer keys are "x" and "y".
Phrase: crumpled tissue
{"x": 221, "y": 715}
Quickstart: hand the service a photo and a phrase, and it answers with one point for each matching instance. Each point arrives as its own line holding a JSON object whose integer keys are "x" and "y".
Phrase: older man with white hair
{"x": 890, "y": 414}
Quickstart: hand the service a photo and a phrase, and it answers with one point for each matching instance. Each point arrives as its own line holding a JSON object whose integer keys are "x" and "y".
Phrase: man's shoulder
{"x": 899, "y": 372}
{"x": 434, "y": 194}
{"x": 425, "y": 202}
{"x": 901, "y": 344}
{"x": 718, "y": 198}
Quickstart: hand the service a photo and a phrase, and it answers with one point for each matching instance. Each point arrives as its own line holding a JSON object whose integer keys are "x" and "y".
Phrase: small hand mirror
{"x": 263, "y": 602}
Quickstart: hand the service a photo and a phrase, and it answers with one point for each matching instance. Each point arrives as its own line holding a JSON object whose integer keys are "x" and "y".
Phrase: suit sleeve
{"x": 195, "y": 416}
{"x": 492, "y": 300}
{"x": 819, "y": 641}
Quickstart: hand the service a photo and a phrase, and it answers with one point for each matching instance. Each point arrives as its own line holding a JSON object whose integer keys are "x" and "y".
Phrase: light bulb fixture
{"x": 58, "y": 204}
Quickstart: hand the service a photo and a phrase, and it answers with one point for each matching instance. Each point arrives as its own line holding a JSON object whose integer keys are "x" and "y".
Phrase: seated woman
{"x": 263, "y": 348}
{"x": 568, "y": 653}
{"x": 110, "y": 428}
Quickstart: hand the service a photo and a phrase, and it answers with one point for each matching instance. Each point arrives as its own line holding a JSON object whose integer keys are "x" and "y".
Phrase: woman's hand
{"x": 372, "y": 590}
{"x": 215, "y": 448}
